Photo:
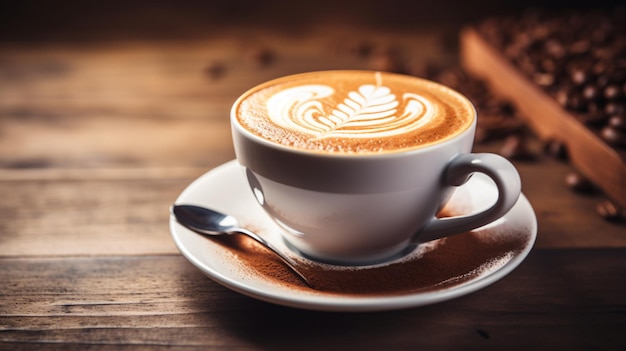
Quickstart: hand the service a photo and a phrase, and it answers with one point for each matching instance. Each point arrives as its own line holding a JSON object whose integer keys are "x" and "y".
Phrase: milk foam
{"x": 353, "y": 111}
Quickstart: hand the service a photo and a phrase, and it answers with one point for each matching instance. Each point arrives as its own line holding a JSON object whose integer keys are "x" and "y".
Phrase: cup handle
{"x": 459, "y": 170}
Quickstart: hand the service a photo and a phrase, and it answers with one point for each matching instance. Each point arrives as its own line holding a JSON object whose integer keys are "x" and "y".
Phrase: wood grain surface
{"x": 98, "y": 138}
{"x": 109, "y": 302}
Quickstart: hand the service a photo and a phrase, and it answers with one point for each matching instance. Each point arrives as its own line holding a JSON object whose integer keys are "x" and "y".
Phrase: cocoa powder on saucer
{"x": 434, "y": 266}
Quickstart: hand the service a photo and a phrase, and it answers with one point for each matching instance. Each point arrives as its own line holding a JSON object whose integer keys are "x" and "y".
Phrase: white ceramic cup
{"x": 355, "y": 209}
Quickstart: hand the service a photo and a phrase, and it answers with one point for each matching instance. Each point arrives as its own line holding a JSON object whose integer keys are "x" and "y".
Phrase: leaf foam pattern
{"x": 370, "y": 111}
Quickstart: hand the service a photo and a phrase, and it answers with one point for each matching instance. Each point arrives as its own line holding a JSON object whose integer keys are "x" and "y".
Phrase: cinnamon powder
{"x": 443, "y": 264}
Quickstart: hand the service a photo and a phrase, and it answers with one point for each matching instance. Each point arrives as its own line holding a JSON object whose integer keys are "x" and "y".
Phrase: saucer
{"x": 225, "y": 189}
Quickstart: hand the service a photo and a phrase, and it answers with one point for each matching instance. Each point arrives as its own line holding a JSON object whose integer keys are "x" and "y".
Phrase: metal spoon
{"x": 210, "y": 222}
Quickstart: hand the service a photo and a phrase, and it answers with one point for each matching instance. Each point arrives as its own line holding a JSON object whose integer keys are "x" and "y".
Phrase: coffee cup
{"x": 354, "y": 166}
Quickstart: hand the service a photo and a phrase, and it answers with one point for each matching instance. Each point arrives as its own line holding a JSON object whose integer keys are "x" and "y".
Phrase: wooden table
{"x": 98, "y": 139}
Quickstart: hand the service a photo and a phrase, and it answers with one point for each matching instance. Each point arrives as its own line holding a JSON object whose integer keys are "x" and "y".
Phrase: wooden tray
{"x": 589, "y": 154}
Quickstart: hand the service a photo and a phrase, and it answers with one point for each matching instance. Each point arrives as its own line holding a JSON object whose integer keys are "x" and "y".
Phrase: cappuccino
{"x": 353, "y": 112}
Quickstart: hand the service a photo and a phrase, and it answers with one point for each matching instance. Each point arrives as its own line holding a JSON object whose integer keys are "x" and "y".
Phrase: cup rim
{"x": 235, "y": 123}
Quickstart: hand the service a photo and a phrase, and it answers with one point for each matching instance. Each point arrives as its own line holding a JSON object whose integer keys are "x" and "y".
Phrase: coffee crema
{"x": 353, "y": 112}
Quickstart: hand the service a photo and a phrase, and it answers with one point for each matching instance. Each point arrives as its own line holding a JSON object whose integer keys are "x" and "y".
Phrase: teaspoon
{"x": 210, "y": 222}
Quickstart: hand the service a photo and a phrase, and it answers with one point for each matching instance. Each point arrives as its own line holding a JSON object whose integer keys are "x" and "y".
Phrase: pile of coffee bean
{"x": 578, "y": 58}
{"x": 499, "y": 119}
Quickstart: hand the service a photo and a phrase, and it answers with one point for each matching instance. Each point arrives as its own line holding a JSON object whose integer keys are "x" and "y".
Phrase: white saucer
{"x": 225, "y": 189}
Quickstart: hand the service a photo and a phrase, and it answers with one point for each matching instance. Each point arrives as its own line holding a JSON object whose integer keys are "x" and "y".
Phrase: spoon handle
{"x": 286, "y": 259}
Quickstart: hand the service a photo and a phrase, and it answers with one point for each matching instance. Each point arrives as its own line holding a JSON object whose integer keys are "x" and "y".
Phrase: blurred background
{"x": 36, "y": 20}
{"x": 149, "y": 84}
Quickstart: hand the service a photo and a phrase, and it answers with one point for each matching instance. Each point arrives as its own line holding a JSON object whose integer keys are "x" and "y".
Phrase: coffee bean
{"x": 612, "y": 92}
{"x": 602, "y": 81}
{"x": 484, "y": 334}
{"x": 590, "y": 92}
{"x": 528, "y": 65}
{"x": 562, "y": 97}
{"x": 555, "y": 49}
{"x": 496, "y": 129}
{"x": 451, "y": 78}
{"x": 386, "y": 60}
{"x": 506, "y": 108}
{"x": 351, "y": 46}
{"x": 422, "y": 69}
{"x": 578, "y": 183}
{"x": 516, "y": 148}
{"x": 576, "y": 102}
{"x": 579, "y": 77}
{"x": 543, "y": 79}
{"x": 614, "y": 108}
{"x": 614, "y": 136}
{"x": 599, "y": 68}
{"x": 477, "y": 90}
{"x": 498, "y": 107}
{"x": 580, "y": 47}
{"x": 482, "y": 134}
{"x": 618, "y": 122}
{"x": 261, "y": 56}
{"x": 354, "y": 47}
{"x": 595, "y": 107}
{"x": 549, "y": 65}
{"x": 594, "y": 119}
{"x": 364, "y": 49}
{"x": 618, "y": 75}
{"x": 556, "y": 149}
{"x": 513, "y": 52}
{"x": 609, "y": 210}
{"x": 215, "y": 70}
{"x": 599, "y": 36}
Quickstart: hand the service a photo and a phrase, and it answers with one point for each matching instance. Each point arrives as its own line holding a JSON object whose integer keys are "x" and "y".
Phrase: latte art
{"x": 353, "y": 112}
{"x": 369, "y": 112}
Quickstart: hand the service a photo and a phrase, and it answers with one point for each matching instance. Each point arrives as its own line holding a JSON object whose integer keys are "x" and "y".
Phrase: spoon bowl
{"x": 209, "y": 222}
